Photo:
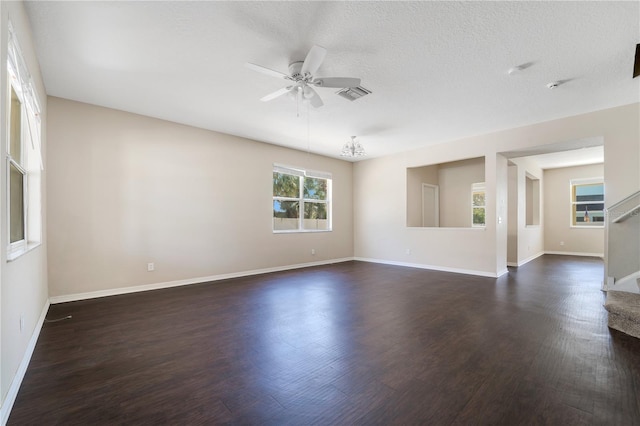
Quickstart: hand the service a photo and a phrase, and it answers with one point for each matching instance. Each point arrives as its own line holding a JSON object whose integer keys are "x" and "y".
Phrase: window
{"x": 301, "y": 200}
{"x": 24, "y": 163}
{"x": 478, "y": 206}
{"x": 587, "y": 202}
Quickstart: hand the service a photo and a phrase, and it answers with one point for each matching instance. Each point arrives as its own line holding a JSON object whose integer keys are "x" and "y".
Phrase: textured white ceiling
{"x": 437, "y": 70}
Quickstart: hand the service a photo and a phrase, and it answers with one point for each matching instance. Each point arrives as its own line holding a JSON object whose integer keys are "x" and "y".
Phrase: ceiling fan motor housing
{"x": 295, "y": 69}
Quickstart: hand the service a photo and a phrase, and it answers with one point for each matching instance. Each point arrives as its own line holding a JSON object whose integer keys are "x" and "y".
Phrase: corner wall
{"x": 23, "y": 281}
{"x": 557, "y": 213}
{"x": 380, "y": 230}
{"x": 530, "y": 237}
{"x": 126, "y": 190}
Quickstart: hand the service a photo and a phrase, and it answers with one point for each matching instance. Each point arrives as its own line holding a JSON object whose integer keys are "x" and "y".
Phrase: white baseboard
{"x": 431, "y": 267}
{"x": 503, "y": 272}
{"x": 199, "y": 280}
{"x": 12, "y": 394}
{"x": 575, "y": 253}
{"x": 527, "y": 260}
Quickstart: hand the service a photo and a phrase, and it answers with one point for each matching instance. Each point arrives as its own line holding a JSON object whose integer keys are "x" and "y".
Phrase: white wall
{"x": 416, "y": 176}
{"x": 381, "y": 233}
{"x": 125, "y": 190}
{"x": 557, "y": 213}
{"x": 512, "y": 208}
{"x": 455, "y": 180}
{"x": 530, "y": 237}
{"x": 23, "y": 282}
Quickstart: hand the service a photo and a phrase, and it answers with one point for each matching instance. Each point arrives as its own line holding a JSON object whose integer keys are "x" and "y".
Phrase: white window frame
{"x": 30, "y": 163}
{"x": 302, "y": 174}
{"x": 572, "y": 201}
{"x": 479, "y": 187}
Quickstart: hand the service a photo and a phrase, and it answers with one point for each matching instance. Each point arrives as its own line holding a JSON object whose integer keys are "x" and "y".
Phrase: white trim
{"x": 575, "y": 253}
{"x": 503, "y": 272}
{"x": 527, "y": 260}
{"x": 199, "y": 280}
{"x": 10, "y": 399}
{"x": 572, "y": 202}
{"x": 431, "y": 267}
{"x": 587, "y": 181}
{"x": 449, "y": 228}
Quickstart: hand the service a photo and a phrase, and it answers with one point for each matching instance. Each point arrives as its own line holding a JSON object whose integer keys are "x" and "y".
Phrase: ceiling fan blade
{"x": 636, "y": 65}
{"x": 315, "y": 99}
{"x": 313, "y": 60}
{"x": 340, "y": 82}
{"x": 275, "y": 94}
{"x": 267, "y": 71}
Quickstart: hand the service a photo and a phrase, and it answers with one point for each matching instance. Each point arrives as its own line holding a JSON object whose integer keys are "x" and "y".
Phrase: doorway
{"x": 430, "y": 205}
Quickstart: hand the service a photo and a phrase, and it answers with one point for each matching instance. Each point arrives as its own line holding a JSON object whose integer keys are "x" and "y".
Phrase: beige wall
{"x": 126, "y": 190}
{"x": 530, "y": 237}
{"x": 381, "y": 233}
{"x": 380, "y": 188}
{"x": 455, "y": 180}
{"x": 557, "y": 213}
{"x": 512, "y": 215}
{"x": 502, "y": 213}
{"x": 23, "y": 281}
{"x": 416, "y": 176}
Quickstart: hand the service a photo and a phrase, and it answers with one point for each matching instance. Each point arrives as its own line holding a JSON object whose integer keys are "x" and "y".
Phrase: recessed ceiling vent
{"x": 353, "y": 93}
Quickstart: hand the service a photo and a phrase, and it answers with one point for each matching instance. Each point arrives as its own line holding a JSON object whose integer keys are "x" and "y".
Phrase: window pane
{"x": 478, "y": 199}
{"x": 285, "y": 215}
{"x": 315, "y": 216}
{"x": 16, "y": 197}
{"x": 315, "y": 189}
{"x": 478, "y": 216}
{"x": 588, "y": 214}
{"x": 15, "y": 136}
{"x": 591, "y": 192}
{"x": 286, "y": 185}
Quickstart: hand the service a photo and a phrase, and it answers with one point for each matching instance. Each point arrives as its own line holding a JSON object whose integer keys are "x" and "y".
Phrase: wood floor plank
{"x": 345, "y": 344}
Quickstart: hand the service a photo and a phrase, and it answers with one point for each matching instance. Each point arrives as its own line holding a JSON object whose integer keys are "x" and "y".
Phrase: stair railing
{"x": 623, "y": 239}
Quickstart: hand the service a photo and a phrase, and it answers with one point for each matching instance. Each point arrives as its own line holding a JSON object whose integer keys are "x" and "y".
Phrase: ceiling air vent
{"x": 353, "y": 93}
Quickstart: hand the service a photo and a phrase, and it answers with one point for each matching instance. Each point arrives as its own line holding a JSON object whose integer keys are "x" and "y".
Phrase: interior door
{"x": 430, "y": 205}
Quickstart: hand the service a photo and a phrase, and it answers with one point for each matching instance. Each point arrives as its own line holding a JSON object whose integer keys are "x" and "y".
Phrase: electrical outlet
{"x": 151, "y": 267}
{"x": 21, "y": 323}
{"x": 408, "y": 251}
{"x": 313, "y": 252}
{"x": 561, "y": 243}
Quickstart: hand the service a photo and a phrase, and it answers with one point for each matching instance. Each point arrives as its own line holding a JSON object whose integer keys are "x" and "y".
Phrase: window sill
{"x": 587, "y": 227}
{"x": 305, "y": 231}
{"x": 451, "y": 228}
{"x": 15, "y": 254}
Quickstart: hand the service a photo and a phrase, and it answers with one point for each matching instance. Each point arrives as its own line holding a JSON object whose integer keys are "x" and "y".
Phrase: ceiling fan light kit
{"x": 353, "y": 149}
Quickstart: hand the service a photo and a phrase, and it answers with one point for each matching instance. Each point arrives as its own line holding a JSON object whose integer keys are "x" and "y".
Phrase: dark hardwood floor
{"x": 351, "y": 343}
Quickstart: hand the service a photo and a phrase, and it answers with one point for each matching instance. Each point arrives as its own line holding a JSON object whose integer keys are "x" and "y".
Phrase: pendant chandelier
{"x": 353, "y": 149}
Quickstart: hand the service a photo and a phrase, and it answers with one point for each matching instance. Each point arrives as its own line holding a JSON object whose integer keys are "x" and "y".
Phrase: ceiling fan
{"x": 302, "y": 78}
